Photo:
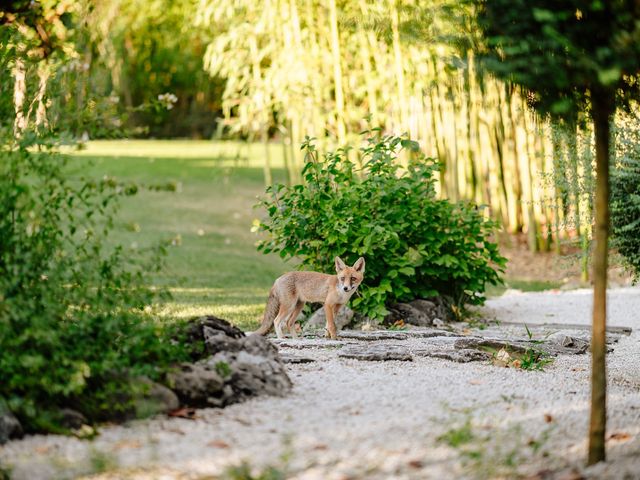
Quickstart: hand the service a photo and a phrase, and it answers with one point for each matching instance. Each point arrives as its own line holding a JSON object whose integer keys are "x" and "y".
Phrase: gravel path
{"x": 420, "y": 419}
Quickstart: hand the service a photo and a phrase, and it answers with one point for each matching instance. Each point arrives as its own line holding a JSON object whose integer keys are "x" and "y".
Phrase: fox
{"x": 292, "y": 290}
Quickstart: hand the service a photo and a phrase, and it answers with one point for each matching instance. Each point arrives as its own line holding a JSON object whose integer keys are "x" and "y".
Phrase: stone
{"x": 564, "y": 340}
{"x": 438, "y": 323}
{"x": 479, "y": 342}
{"x": 217, "y": 341}
{"x": 375, "y": 353}
{"x": 237, "y": 367}
{"x": 408, "y": 314}
{"x": 72, "y": 419}
{"x": 153, "y": 398}
{"x": 197, "y": 385}
{"x": 295, "y": 359}
{"x": 9, "y": 425}
{"x": 522, "y": 345}
{"x": 434, "y": 308}
{"x": 251, "y": 374}
{"x": 429, "y": 333}
{"x": 211, "y": 334}
{"x": 373, "y": 335}
{"x": 460, "y": 356}
{"x": 303, "y": 343}
{"x": 317, "y": 321}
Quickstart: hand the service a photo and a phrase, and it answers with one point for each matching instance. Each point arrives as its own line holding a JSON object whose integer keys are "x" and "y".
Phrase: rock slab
{"x": 375, "y": 353}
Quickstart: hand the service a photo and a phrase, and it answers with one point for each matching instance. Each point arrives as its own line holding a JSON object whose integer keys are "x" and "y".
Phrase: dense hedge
{"x": 72, "y": 326}
{"x": 625, "y": 207}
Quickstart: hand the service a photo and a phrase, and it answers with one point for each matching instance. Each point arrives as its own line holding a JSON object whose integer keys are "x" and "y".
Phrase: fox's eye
{"x": 342, "y": 279}
{"x": 353, "y": 279}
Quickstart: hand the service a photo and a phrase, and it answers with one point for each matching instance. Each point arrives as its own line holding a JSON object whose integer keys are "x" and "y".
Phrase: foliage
{"x": 458, "y": 436}
{"x": 560, "y": 50}
{"x": 534, "y": 359}
{"x": 568, "y": 56}
{"x": 72, "y": 323}
{"x": 625, "y": 197}
{"x": 244, "y": 471}
{"x": 415, "y": 244}
{"x": 136, "y": 51}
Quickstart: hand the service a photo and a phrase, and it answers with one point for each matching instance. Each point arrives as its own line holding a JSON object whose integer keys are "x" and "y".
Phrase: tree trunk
{"x": 268, "y": 179}
{"x": 397, "y": 58}
{"x": 19, "y": 96}
{"x": 603, "y": 106}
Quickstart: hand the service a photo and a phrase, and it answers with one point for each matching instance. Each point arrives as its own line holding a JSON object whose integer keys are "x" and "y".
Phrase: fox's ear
{"x": 340, "y": 264}
{"x": 359, "y": 265}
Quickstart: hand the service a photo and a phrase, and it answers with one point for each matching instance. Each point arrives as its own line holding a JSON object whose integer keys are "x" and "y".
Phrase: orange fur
{"x": 292, "y": 290}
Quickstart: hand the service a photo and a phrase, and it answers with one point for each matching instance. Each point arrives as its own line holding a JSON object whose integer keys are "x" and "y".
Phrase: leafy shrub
{"x": 416, "y": 245}
{"x": 625, "y": 198}
{"x": 72, "y": 326}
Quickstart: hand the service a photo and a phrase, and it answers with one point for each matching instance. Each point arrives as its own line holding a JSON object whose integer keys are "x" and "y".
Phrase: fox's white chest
{"x": 342, "y": 296}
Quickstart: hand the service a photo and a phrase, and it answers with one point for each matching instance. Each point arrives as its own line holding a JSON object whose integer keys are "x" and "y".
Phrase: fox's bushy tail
{"x": 270, "y": 313}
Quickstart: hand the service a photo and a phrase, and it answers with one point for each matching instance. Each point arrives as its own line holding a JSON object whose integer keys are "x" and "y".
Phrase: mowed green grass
{"x": 213, "y": 266}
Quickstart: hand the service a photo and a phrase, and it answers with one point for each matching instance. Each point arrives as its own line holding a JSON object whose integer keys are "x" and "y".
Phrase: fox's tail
{"x": 270, "y": 313}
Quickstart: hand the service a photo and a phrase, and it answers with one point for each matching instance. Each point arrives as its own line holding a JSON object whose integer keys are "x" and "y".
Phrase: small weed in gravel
{"x": 245, "y": 472}
{"x": 458, "y": 436}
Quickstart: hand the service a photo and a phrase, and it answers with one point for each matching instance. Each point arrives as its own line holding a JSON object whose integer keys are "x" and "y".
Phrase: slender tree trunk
{"x": 19, "y": 96}
{"x": 268, "y": 179}
{"x": 41, "y": 109}
{"x": 516, "y": 184}
{"x": 397, "y": 58}
{"x": 472, "y": 128}
{"x": 603, "y": 106}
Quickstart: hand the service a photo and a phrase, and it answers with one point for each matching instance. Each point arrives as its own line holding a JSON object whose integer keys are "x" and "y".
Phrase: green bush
{"x": 415, "y": 245}
{"x": 73, "y": 331}
{"x": 625, "y": 199}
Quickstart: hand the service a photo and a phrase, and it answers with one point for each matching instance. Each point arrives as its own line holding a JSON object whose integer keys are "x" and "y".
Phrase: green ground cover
{"x": 213, "y": 266}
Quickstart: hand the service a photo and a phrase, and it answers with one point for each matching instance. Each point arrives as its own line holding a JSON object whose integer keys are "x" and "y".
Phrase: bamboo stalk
{"x": 337, "y": 73}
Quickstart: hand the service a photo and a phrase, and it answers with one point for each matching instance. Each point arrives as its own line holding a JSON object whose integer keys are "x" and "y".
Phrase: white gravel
{"x": 348, "y": 419}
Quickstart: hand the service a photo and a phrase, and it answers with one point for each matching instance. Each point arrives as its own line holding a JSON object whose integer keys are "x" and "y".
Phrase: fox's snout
{"x": 345, "y": 288}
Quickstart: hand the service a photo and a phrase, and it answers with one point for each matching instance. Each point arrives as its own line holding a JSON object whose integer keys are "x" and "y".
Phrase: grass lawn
{"x": 214, "y": 266}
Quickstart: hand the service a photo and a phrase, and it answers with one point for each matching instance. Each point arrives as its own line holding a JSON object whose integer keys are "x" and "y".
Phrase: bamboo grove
{"x": 321, "y": 67}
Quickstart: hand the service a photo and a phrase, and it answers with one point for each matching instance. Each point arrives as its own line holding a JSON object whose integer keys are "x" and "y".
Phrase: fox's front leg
{"x": 331, "y": 312}
{"x": 331, "y": 325}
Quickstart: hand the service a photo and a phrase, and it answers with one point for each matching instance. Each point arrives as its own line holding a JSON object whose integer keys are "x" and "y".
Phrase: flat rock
{"x": 522, "y": 345}
{"x": 303, "y": 343}
{"x": 564, "y": 340}
{"x": 476, "y": 343}
{"x": 460, "y": 356}
{"x": 430, "y": 333}
{"x": 375, "y": 353}
{"x": 294, "y": 359}
{"x": 373, "y": 335}
{"x": 571, "y": 326}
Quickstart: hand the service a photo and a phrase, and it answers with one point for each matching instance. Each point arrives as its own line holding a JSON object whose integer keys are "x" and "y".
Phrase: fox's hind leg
{"x": 282, "y": 320}
{"x": 279, "y": 320}
{"x": 291, "y": 321}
